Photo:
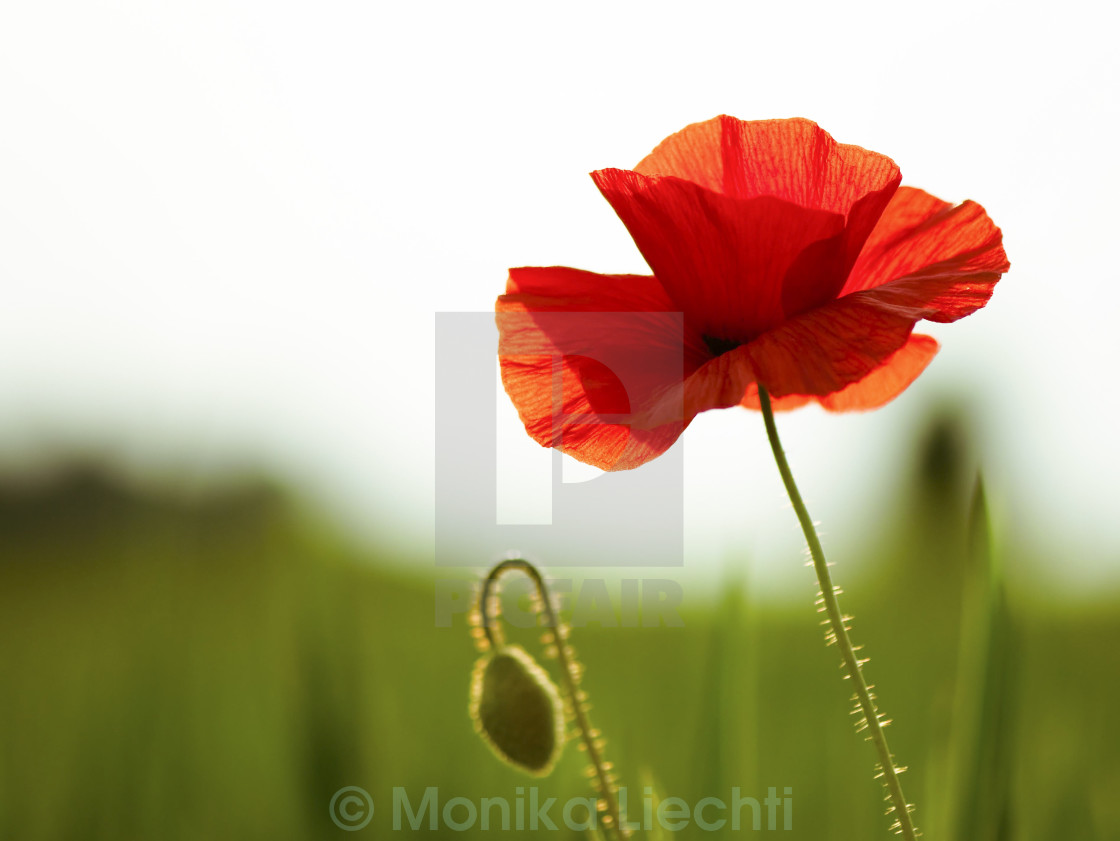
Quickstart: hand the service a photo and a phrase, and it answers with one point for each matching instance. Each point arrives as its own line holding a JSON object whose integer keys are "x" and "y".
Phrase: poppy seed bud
{"x": 516, "y": 709}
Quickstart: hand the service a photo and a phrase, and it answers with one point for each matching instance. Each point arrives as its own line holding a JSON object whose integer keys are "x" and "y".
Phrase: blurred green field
{"x": 216, "y": 667}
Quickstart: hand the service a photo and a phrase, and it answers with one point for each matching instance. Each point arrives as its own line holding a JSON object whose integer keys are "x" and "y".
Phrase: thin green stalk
{"x": 838, "y": 623}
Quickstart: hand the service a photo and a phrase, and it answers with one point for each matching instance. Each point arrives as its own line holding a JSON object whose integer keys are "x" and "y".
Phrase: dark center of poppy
{"x": 718, "y": 346}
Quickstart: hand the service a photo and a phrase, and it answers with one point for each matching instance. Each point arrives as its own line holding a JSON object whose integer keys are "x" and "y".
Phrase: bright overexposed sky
{"x": 225, "y": 228}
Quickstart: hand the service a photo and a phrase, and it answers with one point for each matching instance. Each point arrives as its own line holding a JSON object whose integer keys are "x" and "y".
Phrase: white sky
{"x": 225, "y": 228}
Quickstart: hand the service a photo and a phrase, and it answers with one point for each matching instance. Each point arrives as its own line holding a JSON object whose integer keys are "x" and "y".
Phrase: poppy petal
{"x": 721, "y": 259}
{"x": 750, "y": 223}
{"x": 887, "y": 381}
{"x": 876, "y": 389}
{"x": 934, "y": 297}
{"x": 827, "y": 349}
{"x": 818, "y": 274}
{"x": 561, "y": 289}
{"x": 720, "y": 383}
{"x": 922, "y": 236}
{"x": 594, "y": 363}
{"x": 800, "y": 162}
{"x": 794, "y": 159}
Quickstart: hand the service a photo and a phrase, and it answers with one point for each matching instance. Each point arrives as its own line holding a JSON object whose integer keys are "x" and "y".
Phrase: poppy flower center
{"x": 718, "y": 346}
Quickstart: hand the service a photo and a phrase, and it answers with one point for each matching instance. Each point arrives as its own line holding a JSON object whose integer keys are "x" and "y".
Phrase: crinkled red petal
{"x": 723, "y": 260}
{"x": 794, "y": 159}
{"x": 879, "y": 387}
{"x": 826, "y": 350}
{"x": 920, "y": 236}
{"x": 748, "y": 224}
{"x": 595, "y": 363}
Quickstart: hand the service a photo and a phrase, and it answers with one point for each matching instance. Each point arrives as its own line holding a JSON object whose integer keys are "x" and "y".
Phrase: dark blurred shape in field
{"x": 216, "y": 665}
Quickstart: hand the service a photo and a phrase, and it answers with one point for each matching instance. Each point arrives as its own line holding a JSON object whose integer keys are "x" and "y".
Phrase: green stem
{"x": 838, "y": 623}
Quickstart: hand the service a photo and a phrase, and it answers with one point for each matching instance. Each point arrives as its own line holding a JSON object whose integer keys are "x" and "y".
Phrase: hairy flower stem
{"x": 838, "y": 623}
{"x": 570, "y": 672}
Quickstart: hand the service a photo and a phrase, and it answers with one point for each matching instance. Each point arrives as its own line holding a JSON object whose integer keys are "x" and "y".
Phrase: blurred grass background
{"x": 180, "y": 665}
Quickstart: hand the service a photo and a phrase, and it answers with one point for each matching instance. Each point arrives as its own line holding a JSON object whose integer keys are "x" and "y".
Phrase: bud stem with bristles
{"x": 871, "y": 719}
{"x": 570, "y": 671}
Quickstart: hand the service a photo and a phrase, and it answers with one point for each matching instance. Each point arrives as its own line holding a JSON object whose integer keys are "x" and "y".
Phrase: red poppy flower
{"x": 780, "y": 257}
